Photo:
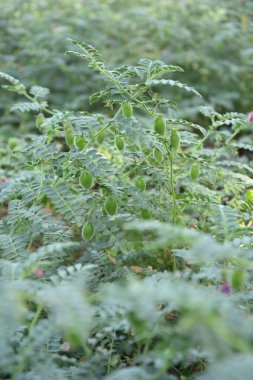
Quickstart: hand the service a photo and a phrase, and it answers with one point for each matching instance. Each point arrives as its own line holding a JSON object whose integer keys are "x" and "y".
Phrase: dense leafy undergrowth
{"x": 211, "y": 39}
{"x": 126, "y": 235}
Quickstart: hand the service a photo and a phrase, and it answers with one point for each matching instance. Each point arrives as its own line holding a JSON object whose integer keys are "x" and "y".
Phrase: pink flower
{"x": 225, "y": 288}
{"x": 39, "y": 272}
{"x": 65, "y": 347}
{"x": 250, "y": 116}
{"x": 4, "y": 179}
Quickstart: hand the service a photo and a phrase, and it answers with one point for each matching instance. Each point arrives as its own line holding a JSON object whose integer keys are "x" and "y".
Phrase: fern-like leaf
{"x": 157, "y": 82}
{"x": 27, "y": 107}
{"x": 17, "y": 86}
{"x": 39, "y": 92}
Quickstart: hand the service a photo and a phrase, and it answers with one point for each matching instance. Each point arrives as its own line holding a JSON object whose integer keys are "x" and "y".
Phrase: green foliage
{"x": 114, "y": 262}
{"x": 210, "y": 39}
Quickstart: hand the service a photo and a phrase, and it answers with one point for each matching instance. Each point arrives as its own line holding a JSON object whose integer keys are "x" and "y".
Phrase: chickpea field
{"x": 126, "y": 190}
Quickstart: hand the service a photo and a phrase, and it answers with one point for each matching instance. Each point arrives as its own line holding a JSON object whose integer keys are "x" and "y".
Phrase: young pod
{"x": 69, "y": 133}
{"x": 69, "y": 138}
{"x": 127, "y": 109}
{"x": 39, "y": 120}
{"x": 119, "y": 142}
{"x": 88, "y": 231}
{"x": 12, "y": 143}
{"x": 195, "y": 170}
{"x": 140, "y": 183}
{"x": 86, "y": 180}
{"x": 238, "y": 278}
{"x": 111, "y": 206}
{"x": 158, "y": 155}
{"x": 79, "y": 142}
{"x": 249, "y": 195}
{"x": 101, "y": 137}
{"x": 175, "y": 139}
{"x": 146, "y": 213}
{"x": 160, "y": 125}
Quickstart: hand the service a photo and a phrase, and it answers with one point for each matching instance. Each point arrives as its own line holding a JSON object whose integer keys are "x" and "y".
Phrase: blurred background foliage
{"x": 211, "y": 39}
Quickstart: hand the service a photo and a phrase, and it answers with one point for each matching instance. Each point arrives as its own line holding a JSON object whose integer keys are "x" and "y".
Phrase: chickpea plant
{"x": 123, "y": 228}
{"x": 133, "y": 92}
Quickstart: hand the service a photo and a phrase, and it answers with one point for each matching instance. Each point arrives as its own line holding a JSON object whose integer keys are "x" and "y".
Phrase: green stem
{"x": 101, "y": 130}
{"x": 91, "y": 141}
{"x": 36, "y": 317}
{"x": 93, "y": 207}
{"x": 45, "y": 109}
{"x": 110, "y": 358}
{"x": 38, "y": 198}
{"x": 124, "y": 91}
{"x": 174, "y": 208}
{"x": 233, "y": 135}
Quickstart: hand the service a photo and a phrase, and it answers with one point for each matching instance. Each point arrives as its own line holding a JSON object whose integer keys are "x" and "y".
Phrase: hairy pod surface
{"x": 111, "y": 206}
{"x": 127, "y": 109}
{"x": 69, "y": 133}
{"x": 195, "y": 171}
{"x": 160, "y": 125}
{"x": 69, "y": 138}
{"x": 88, "y": 231}
{"x": 79, "y": 142}
{"x": 158, "y": 155}
{"x": 119, "y": 142}
{"x": 175, "y": 139}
